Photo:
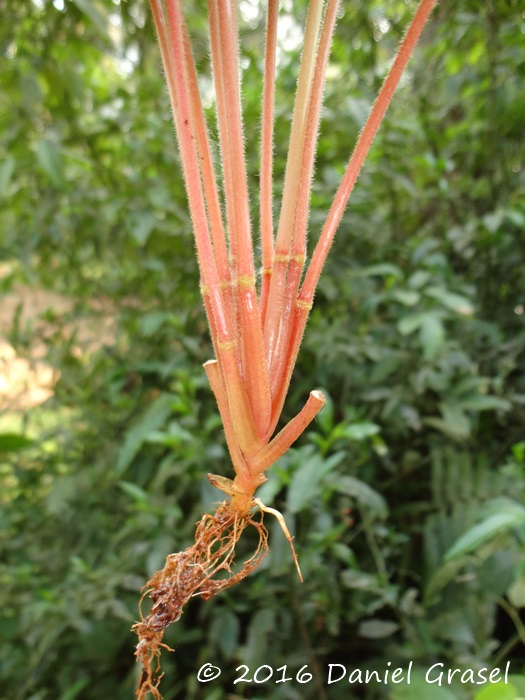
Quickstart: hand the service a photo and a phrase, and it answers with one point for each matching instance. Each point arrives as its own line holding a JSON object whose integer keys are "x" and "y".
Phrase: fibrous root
{"x": 204, "y": 569}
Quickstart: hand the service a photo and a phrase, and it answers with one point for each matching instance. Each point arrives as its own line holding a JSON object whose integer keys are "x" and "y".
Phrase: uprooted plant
{"x": 256, "y": 334}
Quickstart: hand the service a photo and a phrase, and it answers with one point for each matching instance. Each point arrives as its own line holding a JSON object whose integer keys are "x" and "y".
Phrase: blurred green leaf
{"x": 380, "y": 270}
{"x": 454, "y": 422}
{"x": 408, "y": 324}
{"x": 377, "y": 629}
{"x": 406, "y": 297}
{"x": 262, "y": 624}
{"x": 155, "y": 417}
{"x": 307, "y": 478}
{"x": 91, "y": 9}
{"x": 518, "y": 680}
{"x": 432, "y": 336}
{"x": 7, "y": 168}
{"x": 487, "y": 530}
{"x": 420, "y": 688}
{"x": 498, "y": 691}
{"x": 142, "y": 225}
{"x": 493, "y": 221}
{"x": 516, "y": 593}
{"x": 455, "y": 302}
{"x": 225, "y": 629}
{"x": 12, "y": 442}
{"x": 50, "y": 159}
{"x": 74, "y": 690}
{"x": 367, "y": 497}
{"x": 360, "y": 431}
{"x": 134, "y": 491}
{"x": 478, "y": 402}
{"x": 518, "y": 450}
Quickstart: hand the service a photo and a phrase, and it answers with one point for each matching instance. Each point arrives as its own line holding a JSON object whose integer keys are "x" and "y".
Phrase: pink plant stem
{"x": 222, "y": 118}
{"x": 254, "y": 367}
{"x": 206, "y": 165}
{"x": 224, "y": 341}
{"x": 362, "y": 147}
{"x": 266, "y": 196}
{"x": 304, "y": 300}
{"x": 157, "y": 11}
{"x": 239, "y": 410}
{"x": 291, "y": 179}
{"x": 288, "y": 435}
{"x": 219, "y": 80}
{"x": 210, "y": 188}
{"x": 213, "y": 373}
{"x": 299, "y": 318}
{"x": 244, "y": 398}
{"x": 182, "y": 113}
{"x": 298, "y": 252}
{"x": 171, "y": 78}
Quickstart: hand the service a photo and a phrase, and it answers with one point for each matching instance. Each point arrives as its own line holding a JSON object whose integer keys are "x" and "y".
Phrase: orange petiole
{"x": 256, "y": 338}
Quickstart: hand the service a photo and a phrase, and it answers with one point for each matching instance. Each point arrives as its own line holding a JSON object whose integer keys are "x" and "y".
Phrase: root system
{"x": 204, "y": 569}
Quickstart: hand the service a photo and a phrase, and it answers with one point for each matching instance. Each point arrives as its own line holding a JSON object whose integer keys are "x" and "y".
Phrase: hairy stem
{"x": 362, "y": 147}
{"x": 304, "y": 300}
{"x": 298, "y": 251}
{"x": 291, "y": 178}
{"x": 254, "y": 367}
{"x": 266, "y": 179}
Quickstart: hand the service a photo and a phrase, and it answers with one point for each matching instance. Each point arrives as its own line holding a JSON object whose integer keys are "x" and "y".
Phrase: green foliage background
{"x": 406, "y": 496}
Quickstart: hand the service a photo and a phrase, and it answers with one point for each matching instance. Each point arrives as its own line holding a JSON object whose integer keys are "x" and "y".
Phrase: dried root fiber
{"x": 204, "y": 569}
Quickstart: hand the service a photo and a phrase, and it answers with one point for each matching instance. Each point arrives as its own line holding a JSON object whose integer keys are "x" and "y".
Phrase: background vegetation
{"x": 406, "y": 496}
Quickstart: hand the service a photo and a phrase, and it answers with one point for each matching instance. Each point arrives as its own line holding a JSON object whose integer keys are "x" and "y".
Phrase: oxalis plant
{"x": 256, "y": 327}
